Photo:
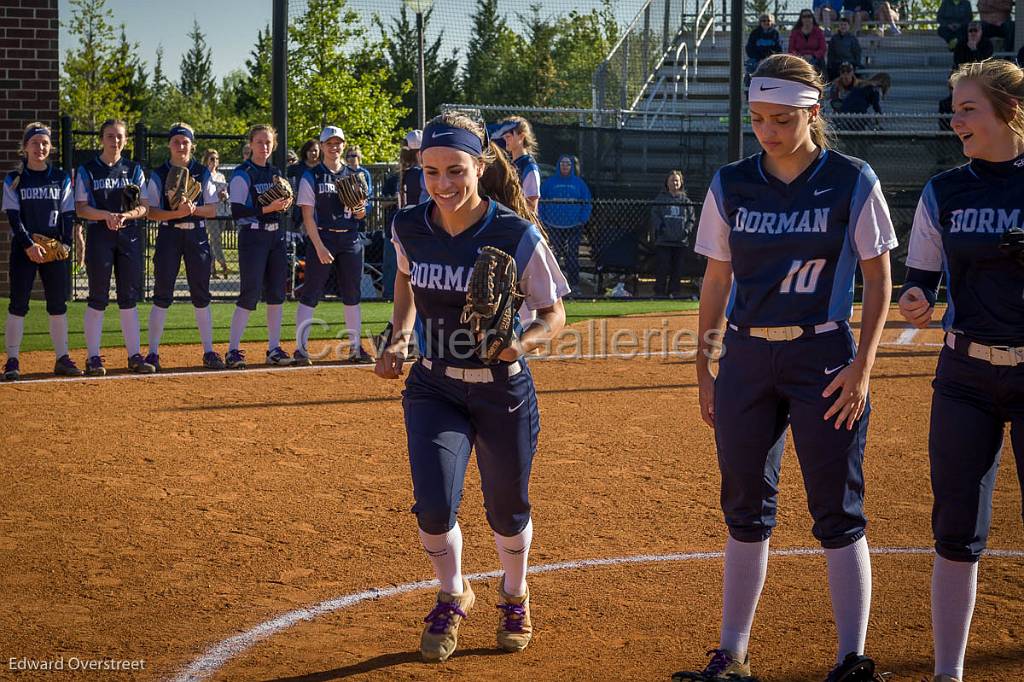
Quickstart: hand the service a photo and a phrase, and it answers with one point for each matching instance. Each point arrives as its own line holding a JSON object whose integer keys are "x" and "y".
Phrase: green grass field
{"x": 181, "y": 325}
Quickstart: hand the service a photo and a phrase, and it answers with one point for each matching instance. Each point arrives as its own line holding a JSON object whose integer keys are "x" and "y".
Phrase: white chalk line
{"x": 173, "y": 374}
{"x": 907, "y": 336}
{"x": 219, "y": 654}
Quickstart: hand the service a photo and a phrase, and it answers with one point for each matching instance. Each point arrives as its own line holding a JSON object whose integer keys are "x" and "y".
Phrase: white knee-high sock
{"x": 93, "y": 324}
{"x": 445, "y": 552}
{"x": 239, "y": 321}
{"x": 303, "y": 317}
{"x": 275, "y": 313}
{"x": 130, "y": 330}
{"x": 14, "y": 330}
{"x": 204, "y": 320}
{"x": 746, "y": 566}
{"x": 954, "y": 588}
{"x": 59, "y": 334}
{"x": 514, "y": 555}
{"x": 157, "y": 317}
{"x": 849, "y": 580}
{"x": 354, "y": 326}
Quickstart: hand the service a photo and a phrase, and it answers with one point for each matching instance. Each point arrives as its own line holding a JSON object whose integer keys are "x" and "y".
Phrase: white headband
{"x": 779, "y": 91}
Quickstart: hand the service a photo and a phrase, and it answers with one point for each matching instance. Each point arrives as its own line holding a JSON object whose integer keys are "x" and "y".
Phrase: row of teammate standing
{"x": 40, "y": 199}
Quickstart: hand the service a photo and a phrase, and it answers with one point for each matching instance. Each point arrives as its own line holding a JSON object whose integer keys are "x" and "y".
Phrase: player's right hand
{"x": 706, "y": 397}
{"x": 114, "y": 221}
{"x": 35, "y": 253}
{"x": 915, "y": 307}
{"x": 324, "y": 255}
{"x": 391, "y": 363}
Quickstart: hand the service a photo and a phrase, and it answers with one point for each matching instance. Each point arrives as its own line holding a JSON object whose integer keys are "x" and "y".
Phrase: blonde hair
{"x": 261, "y": 127}
{"x": 1002, "y": 82}
{"x": 500, "y": 180}
{"x": 21, "y": 148}
{"x": 789, "y": 67}
{"x": 207, "y": 154}
{"x": 526, "y": 130}
{"x": 182, "y": 124}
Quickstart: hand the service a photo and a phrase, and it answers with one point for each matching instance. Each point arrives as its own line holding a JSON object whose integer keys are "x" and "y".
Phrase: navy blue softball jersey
{"x": 158, "y": 179}
{"x": 440, "y": 267}
{"x": 316, "y": 189}
{"x": 794, "y": 248}
{"x": 39, "y": 202}
{"x": 247, "y": 183}
{"x": 961, "y": 217}
{"x": 100, "y": 185}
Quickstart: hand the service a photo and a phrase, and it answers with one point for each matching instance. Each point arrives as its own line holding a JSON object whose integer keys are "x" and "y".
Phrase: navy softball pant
{"x": 971, "y": 403}
{"x": 762, "y": 388}
{"x": 56, "y": 277}
{"x": 173, "y": 245}
{"x": 114, "y": 251}
{"x": 445, "y": 419}
{"x": 262, "y": 266}
{"x": 347, "y": 250}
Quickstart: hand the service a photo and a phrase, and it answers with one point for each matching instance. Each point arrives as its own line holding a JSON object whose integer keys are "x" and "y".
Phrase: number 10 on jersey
{"x": 802, "y": 277}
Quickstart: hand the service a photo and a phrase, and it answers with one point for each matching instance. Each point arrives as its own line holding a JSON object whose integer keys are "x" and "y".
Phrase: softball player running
{"x": 521, "y": 144}
{"x": 38, "y": 200}
{"x": 453, "y": 402}
{"x": 332, "y": 242}
{"x": 114, "y": 244}
{"x": 784, "y": 232}
{"x": 182, "y": 234}
{"x": 262, "y": 249}
{"x": 968, "y": 225}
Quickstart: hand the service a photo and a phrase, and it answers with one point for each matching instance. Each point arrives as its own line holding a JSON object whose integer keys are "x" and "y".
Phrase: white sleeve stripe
{"x": 712, "y": 231}
{"x": 402, "y": 257}
{"x": 874, "y": 234}
{"x": 925, "y": 249}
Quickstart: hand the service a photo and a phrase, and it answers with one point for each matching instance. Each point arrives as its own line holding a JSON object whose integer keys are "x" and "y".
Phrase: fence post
{"x": 647, "y": 38}
{"x": 624, "y": 85}
{"x": 141, "y": 144}
{"x": 666, "y": 41}
{"x": 67, "y": 144}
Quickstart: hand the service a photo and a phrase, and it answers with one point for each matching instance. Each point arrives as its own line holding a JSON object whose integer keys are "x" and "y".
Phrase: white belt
{"x": 786, "y": 333}
{"x": 267, "y": 227}
{"x": 182, "y": 226}
{"x": 483, "y": 375}
{"x": 1000, "y": 356}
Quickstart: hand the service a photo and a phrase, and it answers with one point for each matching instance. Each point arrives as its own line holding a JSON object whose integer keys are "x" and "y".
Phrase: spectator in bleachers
{"x": 843, "y": 47}
{"x": 565, "y": 221}
{"x": 857, "y": 11}
{"x": 214, "y": 226}
{"x": 997, "y": 21}
{"x": 764, "y": 41}
{"x": 807, "y": 40}
{"x": 826, "y": 11}
{"x": 291, "y": 158}
{"x": 976, "y": 48}
{"x": 953, "y": 17}
{"x": 672, "y": 219}
{"x": 852, "y": 95}
{"x": 886, "y": 16}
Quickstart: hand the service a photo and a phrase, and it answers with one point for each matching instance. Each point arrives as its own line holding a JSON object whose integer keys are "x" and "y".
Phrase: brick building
{"x": 29, "y": 63}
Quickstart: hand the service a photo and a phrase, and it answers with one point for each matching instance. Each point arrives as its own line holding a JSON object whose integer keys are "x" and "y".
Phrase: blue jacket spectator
{"x": 764, "y": 41}
{"x": 565, "y": 221}
{"x": 953, "y": 17}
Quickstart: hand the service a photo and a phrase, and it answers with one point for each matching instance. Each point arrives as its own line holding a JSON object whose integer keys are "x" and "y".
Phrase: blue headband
{"x": 441, "y": 135}
{"x": 32, "y": 132}
{"x": 181, "y": 130}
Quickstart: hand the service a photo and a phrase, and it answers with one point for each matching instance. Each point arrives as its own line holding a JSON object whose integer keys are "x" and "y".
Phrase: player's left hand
{"x": 852, "y": 386}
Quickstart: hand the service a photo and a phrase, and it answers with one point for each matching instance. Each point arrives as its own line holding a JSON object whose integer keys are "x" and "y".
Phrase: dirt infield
{"x": 153, "y": 518}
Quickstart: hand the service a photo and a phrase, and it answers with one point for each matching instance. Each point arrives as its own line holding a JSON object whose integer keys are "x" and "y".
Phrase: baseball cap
{"x": 331, "y": 131}
{"x": 414, "y": 140}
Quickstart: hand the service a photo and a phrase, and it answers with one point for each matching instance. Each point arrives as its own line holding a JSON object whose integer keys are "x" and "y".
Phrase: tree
{"x": 582, "y": 42}
{"x": 89, "y": 90}
{"x": 129, "y": 72}
{"x": 400, "y": 50}
{"x": 534, "y": 75}
{"x": 492, "y": 71}
{"x": 160, "y": 83}
{"x": 252, "y": 89}
{"x": 325, "y": 87}
{"x": 197, "y": 67}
